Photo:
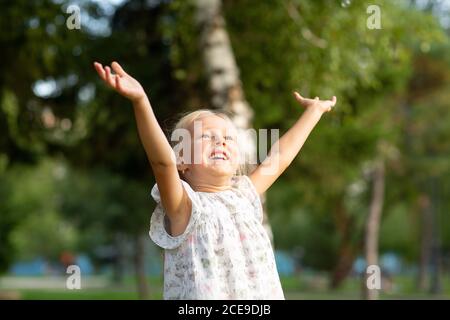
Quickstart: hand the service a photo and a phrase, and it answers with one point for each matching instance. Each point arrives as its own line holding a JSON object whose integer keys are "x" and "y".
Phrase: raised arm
{"x": 174, "y": 199}
{"x": 288, "y": 146}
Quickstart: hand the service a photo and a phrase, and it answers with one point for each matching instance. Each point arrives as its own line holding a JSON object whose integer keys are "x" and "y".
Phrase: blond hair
{"x": 188, "y": 119}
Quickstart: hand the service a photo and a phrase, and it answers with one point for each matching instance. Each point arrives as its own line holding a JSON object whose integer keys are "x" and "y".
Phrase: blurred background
{"x": 371, "y": 184}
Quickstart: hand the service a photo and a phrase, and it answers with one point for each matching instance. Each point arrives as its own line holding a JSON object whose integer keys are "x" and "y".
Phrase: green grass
{"x": 77, "y": 295}
{"x": 124, "y": 291}
{"x": 307, "y": 287}
{"x": 304, "y": 287}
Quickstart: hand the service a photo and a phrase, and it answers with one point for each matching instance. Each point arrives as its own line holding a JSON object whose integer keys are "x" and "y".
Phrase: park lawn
{"x": 88, "y": 294}
{"x": 132, "y": 295}
{"x": 124, "y": 291}
{"x": 305, "y": 287}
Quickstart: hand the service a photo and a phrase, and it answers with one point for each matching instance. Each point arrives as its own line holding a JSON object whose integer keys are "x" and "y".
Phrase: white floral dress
{"x": 224, "y": 253}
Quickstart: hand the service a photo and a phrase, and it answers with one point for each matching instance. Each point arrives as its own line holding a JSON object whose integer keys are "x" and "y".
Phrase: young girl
{"x": 208, "y": 219}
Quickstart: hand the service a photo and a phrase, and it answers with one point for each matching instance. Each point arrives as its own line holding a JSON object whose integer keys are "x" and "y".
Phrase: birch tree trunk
{"x": 224, "y": 79}
{"x": 373, "y": 225}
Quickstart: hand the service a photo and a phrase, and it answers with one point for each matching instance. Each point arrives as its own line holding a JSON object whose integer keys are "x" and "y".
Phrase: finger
{"x": 99, "y": 68}
{"x": 118, "y": 69}
{"x": 298, "y": 97}
{"x": 110, "y": 77}
{"x": 333, "y": 101}
{"x": 118, "y": 84}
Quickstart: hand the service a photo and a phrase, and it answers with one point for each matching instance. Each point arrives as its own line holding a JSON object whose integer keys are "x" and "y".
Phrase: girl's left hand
{"x": 322, "y": 105}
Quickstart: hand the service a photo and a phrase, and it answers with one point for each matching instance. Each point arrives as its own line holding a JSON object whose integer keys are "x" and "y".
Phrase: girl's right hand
{"x": 121, "y": 81}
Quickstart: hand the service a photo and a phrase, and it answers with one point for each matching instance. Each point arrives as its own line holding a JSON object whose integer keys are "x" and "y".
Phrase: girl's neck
{"x": 219, "y": 184}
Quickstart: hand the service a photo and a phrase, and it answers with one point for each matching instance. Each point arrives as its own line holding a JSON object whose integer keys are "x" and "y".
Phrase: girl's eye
{"x": 229, "y": 138}
{"x": 205, "y": 136}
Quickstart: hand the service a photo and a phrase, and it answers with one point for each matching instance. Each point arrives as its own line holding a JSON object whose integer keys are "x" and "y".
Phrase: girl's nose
{"x": 220, "y": 142}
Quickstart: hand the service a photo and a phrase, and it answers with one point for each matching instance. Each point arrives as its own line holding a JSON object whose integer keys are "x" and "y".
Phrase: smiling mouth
{"x": 219, "y": 155}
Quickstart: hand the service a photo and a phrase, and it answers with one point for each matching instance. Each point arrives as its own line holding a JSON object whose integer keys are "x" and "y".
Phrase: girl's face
{"x": 215, "y": 149}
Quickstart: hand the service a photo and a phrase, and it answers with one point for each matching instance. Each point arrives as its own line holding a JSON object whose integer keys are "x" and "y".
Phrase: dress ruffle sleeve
{"x": 158, "y": 232}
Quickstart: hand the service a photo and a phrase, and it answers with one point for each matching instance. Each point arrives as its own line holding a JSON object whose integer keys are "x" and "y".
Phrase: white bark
{"x": 373, "y": 224}
{"x": 223, "y": 76}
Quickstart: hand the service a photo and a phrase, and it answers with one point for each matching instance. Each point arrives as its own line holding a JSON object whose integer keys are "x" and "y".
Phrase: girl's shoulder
{"x": 245, "y": 185}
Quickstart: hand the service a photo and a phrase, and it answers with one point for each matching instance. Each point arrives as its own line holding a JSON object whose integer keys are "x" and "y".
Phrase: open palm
{"x": 323, "y": 105}
{"x": 121, "y": 81}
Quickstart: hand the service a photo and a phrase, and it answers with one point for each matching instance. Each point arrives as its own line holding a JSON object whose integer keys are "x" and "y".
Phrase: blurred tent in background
{"x": 74, "y": 177}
